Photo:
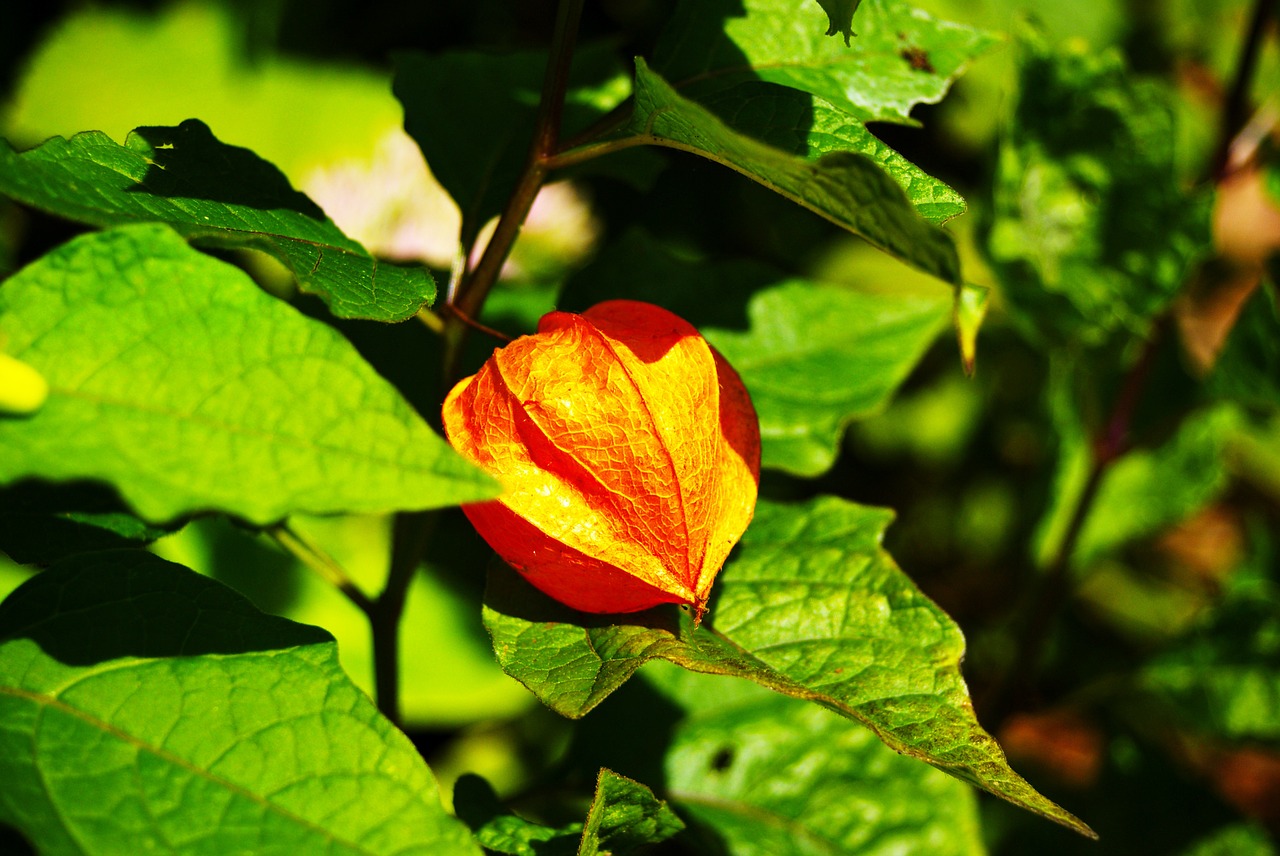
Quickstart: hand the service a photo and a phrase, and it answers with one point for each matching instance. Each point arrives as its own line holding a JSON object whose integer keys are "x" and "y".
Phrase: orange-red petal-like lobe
{"x": 630, "y": 451}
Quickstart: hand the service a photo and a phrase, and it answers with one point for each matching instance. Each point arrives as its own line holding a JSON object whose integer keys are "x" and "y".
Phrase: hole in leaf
{"x": 722, "y": 759}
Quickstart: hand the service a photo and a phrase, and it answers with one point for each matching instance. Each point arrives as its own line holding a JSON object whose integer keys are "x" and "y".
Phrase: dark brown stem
{"x": 475, "y": 287}
{"x": 411, "y": 533}
{"x": 1235, "y": 111}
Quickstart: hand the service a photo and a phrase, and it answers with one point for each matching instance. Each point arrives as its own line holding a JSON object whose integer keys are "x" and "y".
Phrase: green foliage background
{"x": 967, "y": 605}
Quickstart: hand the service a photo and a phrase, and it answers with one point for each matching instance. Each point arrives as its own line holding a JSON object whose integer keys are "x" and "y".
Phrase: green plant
{"x": 233, "y": 379}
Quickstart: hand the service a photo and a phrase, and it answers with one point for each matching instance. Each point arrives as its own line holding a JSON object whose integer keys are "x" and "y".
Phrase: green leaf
{"x": 902, "y": 57}
{"x": 214, "y": 194}
{"x": 1145, "y": 491}
{"x": 1092, "y": 232}
{"x": 500, "y": 831}
{"x": 163, "y": 64}
{"x": 23, "y": 390}
{"x": 840, "y": 17}
{"x": 813, "y": 357}
{"x": 811, "y": 607}
{"x": 33, "y": 537}
{"x": 848, "y": 189}
{"x": 1238, "y": 839}
{"x": 806, "y": 126}
{"x": 1223, "y": 678}
{"x": 968, "y": 313}
{"x": 752, "y": 65}
{"x": 148, "y": 708}
{"x": 816, "y": 359}
{"x": 473, "y": 116}
{"x": 769, "y": 774}
{"x": 180, "y": 382}
{"x": 624, "y": 816}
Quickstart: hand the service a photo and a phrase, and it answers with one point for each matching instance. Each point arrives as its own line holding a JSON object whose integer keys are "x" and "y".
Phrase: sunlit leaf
{"x": 849, "y": 189}
{"x": 249, "y": 407}
{"x": 148, "y": 708}
{"x": 768, "y": 774}
{"x": 214, "y": 194}
{"x": 813, "y": 608}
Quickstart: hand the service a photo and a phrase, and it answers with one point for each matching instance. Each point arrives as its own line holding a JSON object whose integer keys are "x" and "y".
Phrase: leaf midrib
{"x": 46, "y": 703}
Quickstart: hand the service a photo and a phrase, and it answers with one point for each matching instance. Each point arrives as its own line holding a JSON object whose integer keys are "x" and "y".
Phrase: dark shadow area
{"x": 96, "y": 607}
{"x": 41, "y": 522}
{"x": 267, "y": 577}
{"x": 508, "y": 593}
{"x": 13, "y": 843}
{"x": 188, "y": 162}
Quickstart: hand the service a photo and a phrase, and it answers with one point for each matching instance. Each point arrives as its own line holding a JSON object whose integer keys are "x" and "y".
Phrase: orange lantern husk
{"x": 630, "y": 452}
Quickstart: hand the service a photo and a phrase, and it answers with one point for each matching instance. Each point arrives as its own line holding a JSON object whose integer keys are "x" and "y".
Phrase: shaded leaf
{"x": 816, "y": 359}
{"x": 501, "y": 831}
{"x": 812, "y": 607}
{"x": 1145, "y": 491}
{"x": 1223, "y": 678}
{"x": 214, "y": 194}
{"x": 848, "y": 189}
{"x": 473, "y": 116}
{"x": 147, "y": 707}
{"x": 624, "y": 815}
{"x": 840, "y": 16}
{"x": 1238, "y": 839}
{"x": 776, "y": 81}
{"x": 813, "y": 357}
{"x": 1092, "y": 232}
{"x": 968, "y": 313}
{"x": 249, "y": 407}
{"x": 769, "y": 774}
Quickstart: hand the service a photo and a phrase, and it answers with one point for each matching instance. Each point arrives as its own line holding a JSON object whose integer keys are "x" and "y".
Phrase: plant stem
{"x": 315, "y": 558}
{"x": 474, "y": 288}
{"x": 1050, "y": 593}
{"x": 411, "y": 532}
{"x": 1236, "y": 108}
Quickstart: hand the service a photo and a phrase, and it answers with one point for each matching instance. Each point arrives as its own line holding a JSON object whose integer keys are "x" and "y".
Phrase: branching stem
{"x": 315, "y": 558}
{"x": 474, "y": 287}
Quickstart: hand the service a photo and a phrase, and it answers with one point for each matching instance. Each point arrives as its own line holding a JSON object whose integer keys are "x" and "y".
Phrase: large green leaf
{"x": 180, "y": 382}
{"x": 215, "y": 194}
{"x": 774, "y": 79}
{"x": 849, "y": 189}
{"x": 816, "y": 359}
{"x": 813, "y": 357}
{"x": 146, "y": 708}
{"x": 809, "y": 127}
{"x": 1092, "y": 233}
{"x": 902, "y": 56}
{"x": 768, "y": 774}
{"x": 812, "y": 607}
